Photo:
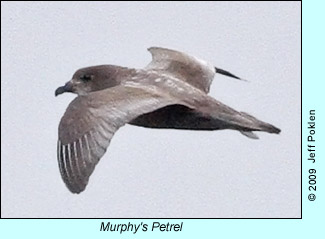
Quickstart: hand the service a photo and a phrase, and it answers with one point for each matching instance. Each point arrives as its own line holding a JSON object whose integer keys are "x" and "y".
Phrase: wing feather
{"x": 180, "y": 65}
{"x": 89, "y": 124}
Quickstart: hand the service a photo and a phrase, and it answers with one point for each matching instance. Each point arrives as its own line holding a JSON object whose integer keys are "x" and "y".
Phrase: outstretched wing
{"x": 227, "y": 118}
{"x": 177, "y": 64}
{"x": 89, "y": 124}
{"x": 197, "y": 111}
{"x": 188, "y": 68}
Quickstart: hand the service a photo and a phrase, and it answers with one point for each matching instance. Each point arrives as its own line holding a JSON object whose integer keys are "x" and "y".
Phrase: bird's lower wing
{"x": 89, "y": 124}
{"x": 230, "y": 118}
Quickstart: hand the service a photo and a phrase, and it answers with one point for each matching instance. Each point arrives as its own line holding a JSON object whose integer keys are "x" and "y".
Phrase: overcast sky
{"x": 146, "y": 172}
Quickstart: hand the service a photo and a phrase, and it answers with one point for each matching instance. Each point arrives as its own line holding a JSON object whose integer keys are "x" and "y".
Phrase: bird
{"x": 171, "y": 92}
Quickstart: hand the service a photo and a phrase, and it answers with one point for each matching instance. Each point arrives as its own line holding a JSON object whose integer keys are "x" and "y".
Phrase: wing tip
{"x": 227, "y": 73}
{"x": 78, "y": 191}
{"x": 75, "y": 188}
{"x": 272, "y": 129}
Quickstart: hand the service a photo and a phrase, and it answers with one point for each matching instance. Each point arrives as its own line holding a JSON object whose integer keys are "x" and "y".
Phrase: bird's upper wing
{"x": 177, "y": 64}
{"x": 90, "y": 122}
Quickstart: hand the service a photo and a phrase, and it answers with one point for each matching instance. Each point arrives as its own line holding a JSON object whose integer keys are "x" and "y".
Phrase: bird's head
{"x": 89, "y": 79}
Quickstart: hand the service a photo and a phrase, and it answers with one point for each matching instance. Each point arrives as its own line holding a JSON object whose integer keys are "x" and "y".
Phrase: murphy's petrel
{"x": 171, "y": 92}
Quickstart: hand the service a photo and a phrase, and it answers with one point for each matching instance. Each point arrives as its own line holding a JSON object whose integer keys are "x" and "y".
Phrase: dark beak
{"x": 66, "y": 88}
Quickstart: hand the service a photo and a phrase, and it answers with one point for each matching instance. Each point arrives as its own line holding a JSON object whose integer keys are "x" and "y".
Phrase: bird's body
{"x": 171, "y": 92}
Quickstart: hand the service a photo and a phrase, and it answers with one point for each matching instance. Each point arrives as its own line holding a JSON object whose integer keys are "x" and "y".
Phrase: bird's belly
{"x": 177, "y": 117}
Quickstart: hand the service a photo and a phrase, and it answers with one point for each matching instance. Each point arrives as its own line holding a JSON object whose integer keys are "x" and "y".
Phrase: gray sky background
{"x": 146, "y": 172}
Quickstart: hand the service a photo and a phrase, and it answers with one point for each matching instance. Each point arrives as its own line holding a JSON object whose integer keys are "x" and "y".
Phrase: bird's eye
{"x": 86, "y": 78}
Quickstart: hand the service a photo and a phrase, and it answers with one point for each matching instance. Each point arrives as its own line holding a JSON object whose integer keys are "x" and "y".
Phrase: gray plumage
{"x": 171, "y": 92}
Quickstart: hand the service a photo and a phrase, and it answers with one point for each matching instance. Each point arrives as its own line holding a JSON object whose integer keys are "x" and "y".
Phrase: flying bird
{"x": 171, "y": 92}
